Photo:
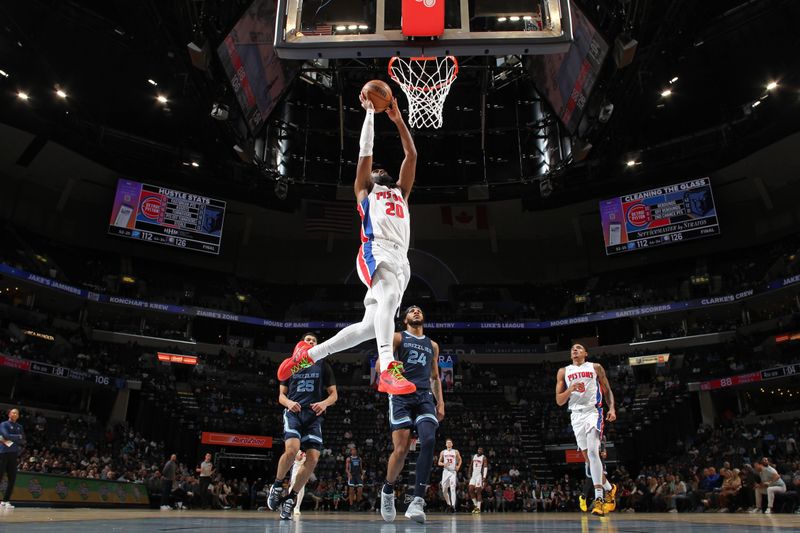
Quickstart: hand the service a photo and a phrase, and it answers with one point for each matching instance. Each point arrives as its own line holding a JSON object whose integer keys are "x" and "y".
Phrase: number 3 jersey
{"x": 310, "y": 384}
{"x": 416, "y": 354}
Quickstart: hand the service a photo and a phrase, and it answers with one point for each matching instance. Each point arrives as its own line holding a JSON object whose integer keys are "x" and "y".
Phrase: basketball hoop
{"x": 425, "y": 82}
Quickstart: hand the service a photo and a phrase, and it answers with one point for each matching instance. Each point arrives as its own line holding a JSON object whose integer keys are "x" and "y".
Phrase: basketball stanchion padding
{"x": 426, "y": 82}
{"x": 422, "y": 18}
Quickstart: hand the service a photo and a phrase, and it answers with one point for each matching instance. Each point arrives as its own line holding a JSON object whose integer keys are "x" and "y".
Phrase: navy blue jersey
{"x": 355, "y": 466}
{"x": 310, "y": 384}
{"x": 416, "y": 354}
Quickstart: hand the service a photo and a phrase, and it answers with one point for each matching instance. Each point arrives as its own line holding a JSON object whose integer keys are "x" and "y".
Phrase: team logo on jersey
{"x": 428, "y": 3}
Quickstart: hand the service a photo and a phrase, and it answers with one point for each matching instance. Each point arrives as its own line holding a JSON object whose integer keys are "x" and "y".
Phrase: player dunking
{"x": 420, "y": 355}
{"x": 582, "y": 384}
{"x": 302, "y": 397}
{"x": 450, "y": 461}
{"x": 381, "y": 263}
{"x": 478, "y": 472}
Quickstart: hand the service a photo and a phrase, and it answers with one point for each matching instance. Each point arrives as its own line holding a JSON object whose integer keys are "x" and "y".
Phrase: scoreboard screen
{"x": 162, "y": 215}
{"x": 664, "y": 215}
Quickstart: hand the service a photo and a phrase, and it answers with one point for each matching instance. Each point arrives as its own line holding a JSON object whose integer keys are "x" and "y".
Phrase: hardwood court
{"x": 134, "y": 521}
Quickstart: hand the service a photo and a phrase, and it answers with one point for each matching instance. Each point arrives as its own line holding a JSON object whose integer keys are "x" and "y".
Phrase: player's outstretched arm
{"x": 408, "y": 169}
{"x": 606, "y": 386}
{"x": 363, "y": 183}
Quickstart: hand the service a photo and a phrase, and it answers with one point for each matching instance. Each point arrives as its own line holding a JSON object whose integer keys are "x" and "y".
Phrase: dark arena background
{"x": 177, "y": 211}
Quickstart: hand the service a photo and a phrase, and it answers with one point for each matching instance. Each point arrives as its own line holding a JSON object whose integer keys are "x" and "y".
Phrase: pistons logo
{"x": 639, "y": 215}
{"x": 151, "y": 208}
{"x": 428, "y": 3}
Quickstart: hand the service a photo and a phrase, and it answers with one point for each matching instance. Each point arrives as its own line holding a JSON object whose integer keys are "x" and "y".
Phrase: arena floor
{"x": 104, "y": 520}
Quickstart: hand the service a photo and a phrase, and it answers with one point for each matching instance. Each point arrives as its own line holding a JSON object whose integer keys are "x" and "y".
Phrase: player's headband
{"x": 410, "y": 308}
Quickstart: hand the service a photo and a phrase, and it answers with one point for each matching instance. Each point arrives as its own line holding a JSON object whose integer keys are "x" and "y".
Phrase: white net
{"x": 425, "y": 82}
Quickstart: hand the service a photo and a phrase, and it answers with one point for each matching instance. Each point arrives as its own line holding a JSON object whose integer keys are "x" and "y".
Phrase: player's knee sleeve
{"x": 426, "y": 431}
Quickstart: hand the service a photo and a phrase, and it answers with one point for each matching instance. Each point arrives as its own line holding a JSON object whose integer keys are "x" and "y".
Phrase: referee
{"x": 12, "y": 438}
{"x": 206, "y": 469}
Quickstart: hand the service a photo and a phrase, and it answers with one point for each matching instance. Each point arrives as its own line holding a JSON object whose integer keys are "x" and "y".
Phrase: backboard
{"x": 314, "y": 29}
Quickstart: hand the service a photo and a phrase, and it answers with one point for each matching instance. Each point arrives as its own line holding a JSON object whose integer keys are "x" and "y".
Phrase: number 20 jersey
{"x": 385, "y": 217}
{"x": 416, "y": 354}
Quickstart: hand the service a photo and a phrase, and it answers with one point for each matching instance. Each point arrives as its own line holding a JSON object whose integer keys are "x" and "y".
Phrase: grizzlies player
{"x": 450, "y": 461}
{"x": 582, "y": 385}
{"x": 382, "y": 262}
{"x": 420, "y": 357}
{"x": 303, "y": 397}
{"x": 355, "y": 484}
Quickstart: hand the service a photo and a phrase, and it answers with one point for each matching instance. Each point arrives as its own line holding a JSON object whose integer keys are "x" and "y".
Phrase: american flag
{"x": 319, "y": 29}
{"x": 337, "y": 217}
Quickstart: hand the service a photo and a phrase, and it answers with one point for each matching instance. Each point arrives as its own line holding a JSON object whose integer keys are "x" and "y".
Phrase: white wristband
{"x": 367, "y": 135}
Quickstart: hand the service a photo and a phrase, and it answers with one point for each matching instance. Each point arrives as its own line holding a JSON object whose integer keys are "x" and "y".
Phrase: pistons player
{"x": 582, "y": 385}
{"x": 382, "y": 262}
{"x": 450, "y": 461}
{"x": 479, "y": 470}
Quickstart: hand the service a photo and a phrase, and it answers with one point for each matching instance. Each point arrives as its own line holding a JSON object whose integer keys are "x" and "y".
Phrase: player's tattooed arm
{"x": 609, "y": 396}
{"x": 436, "y": 383}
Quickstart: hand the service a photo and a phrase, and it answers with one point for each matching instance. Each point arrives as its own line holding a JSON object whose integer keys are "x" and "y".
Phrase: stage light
{"x": 162, "y": 99}
{"x": 60, "y": 93}
{"x": 665, "y": 93}
{"x": 513, "y": 19}
{"x": 501, "y": 19}
{"x": 363, "y": 27}
{"x": 22, "y": 95}
{"x": 527, "y": 17}
{"x": 630, "y": 163}
{"x": 673, "y": 80}
{"x": 772, "y": 85}
{"x": 152, "y": 82}
{"x": 756, "y": 103}
{"x": 195, "y": 164}
{"x": 341, "y": 28}
{"x": 352, "y": 27}
{"x": 3, "y": 73}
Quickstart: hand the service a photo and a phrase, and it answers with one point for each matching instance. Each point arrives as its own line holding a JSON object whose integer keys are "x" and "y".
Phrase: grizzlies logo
{"x": 35, "y": 488}
{"x": 62, "y": 490}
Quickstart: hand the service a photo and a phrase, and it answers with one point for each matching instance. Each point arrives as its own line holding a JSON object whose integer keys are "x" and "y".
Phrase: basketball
{"x": 380, "y": 93}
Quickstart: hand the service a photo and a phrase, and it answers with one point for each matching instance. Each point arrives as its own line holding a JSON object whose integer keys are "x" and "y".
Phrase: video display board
{"x": 167, "y": 216}
{"x": 664, "y": 215}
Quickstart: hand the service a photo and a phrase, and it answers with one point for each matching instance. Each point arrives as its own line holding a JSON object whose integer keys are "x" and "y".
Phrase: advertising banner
{"x": 232, "y": 439}
{"x": 51, "y": 489}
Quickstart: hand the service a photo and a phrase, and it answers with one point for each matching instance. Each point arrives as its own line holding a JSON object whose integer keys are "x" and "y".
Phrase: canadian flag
{"x": 466, "y": 217}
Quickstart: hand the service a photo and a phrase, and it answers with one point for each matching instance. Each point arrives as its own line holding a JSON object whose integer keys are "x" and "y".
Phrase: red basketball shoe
{"x": 393, "y": 381}
{"x": 298, "y": 361}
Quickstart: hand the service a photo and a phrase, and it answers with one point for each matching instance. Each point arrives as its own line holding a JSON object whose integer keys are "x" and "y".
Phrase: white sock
{"x": 479, "y": 504}
{"x": 352, "y": 335}
{"x": 598, "y": 493}
{"x": 453, "y": 495}
{"x": 606, "y": 485}
{"x": 474, "y": 502}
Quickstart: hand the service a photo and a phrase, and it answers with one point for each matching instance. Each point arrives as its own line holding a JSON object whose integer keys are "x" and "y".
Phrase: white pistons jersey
{"x": 477, "y": 465}
{"x": 449, "y": 459}
{"x": 588, "y": 396}
{"x": 385, "y": 217}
